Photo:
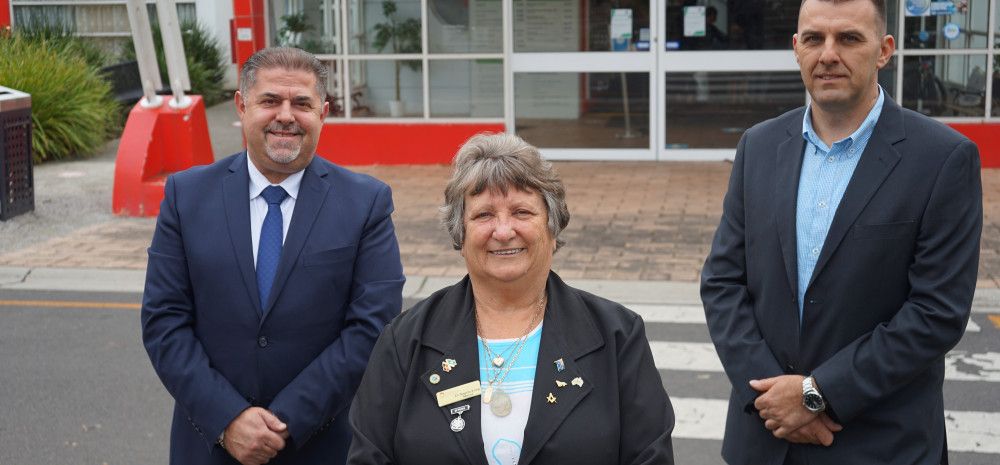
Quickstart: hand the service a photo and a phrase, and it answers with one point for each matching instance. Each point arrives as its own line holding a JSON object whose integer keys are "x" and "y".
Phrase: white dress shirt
{"x": 258, "y": 206}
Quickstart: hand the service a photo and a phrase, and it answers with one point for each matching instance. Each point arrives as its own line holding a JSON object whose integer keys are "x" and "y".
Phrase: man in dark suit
{"x": 271, "y": 274}
{"x": 845, "y": 262}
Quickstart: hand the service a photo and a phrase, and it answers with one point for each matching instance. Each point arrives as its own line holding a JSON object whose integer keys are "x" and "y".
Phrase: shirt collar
{"x": 258, "y": 182}
{"x": 865, "y": 129}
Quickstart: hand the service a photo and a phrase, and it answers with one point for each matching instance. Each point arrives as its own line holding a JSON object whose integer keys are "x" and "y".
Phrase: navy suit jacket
{"x": 890, "y": 294}
{"x": 339, "y": 281}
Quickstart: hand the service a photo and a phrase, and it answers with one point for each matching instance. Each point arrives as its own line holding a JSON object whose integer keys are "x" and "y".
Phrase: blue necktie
{"x": 269, "y": 248}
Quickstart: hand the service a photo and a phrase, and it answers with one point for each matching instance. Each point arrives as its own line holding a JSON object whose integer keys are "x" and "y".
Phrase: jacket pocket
{"x": 884, "y": 230}
{"x": 327, "y": 257}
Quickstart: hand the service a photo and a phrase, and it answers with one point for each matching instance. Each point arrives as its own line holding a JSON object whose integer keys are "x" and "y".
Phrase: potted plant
{"x": 404, "y": 36}
{"x": 290, "y": 35}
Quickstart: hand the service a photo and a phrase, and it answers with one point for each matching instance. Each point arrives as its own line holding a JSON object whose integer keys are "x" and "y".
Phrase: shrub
{"x": 71, "y": 106}
{"x": 62, "y": 39}
{"x": 204, "y": 60}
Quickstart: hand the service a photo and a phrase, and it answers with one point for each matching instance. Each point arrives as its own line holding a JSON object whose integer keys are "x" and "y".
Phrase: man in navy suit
{"x": 844, "y": 266}
{"x": 271, "y": 274}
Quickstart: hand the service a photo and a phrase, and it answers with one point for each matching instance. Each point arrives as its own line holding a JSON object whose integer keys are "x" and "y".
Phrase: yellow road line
{"x": 995, "y": 319}
{"x": 68, "y": 304}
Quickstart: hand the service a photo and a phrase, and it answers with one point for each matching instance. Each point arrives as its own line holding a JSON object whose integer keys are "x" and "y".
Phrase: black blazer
{"x": 621, "y": 414}
{"x": 890, "y": 295}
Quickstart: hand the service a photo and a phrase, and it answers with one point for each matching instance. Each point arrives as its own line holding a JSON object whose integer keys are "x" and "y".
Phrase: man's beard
{"x": 283, "y": 152}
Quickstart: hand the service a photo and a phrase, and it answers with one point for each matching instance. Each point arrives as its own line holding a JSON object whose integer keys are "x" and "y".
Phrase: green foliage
{"x": 291, "y": 33}
{"x": 404, "y": 36}
{"x": 61, "y": 38}
{"x": 206, "y": 68}
{"x": 72, "y": 110}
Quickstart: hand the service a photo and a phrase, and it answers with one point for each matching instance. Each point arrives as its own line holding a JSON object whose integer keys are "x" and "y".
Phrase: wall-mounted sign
{"x": 694, "y": 21}
{"x": 951, "y": 31}
{"x": 918, "y": 7}
{"x": 621, "y": 29}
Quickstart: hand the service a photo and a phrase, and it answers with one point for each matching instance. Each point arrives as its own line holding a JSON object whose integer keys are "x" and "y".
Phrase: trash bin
{"x": 17, "y": 182}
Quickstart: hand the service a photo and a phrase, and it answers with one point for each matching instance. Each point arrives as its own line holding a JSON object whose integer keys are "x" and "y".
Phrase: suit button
{"x": 262, "y": 341}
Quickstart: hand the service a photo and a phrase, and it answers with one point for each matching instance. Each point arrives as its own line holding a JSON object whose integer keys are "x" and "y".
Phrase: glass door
{"x": 722, "y": 67}
{"x": 580, "y": 77}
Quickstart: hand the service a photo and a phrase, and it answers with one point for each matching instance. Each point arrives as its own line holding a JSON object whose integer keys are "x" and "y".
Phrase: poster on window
{"x": 694, "y": 21}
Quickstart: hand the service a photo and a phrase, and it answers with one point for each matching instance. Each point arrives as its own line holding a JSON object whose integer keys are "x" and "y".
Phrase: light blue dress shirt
{"x": 826, "y": 171}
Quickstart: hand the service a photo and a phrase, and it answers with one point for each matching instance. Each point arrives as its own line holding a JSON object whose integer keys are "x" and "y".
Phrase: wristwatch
{"x": 812, "y": 400}
{"x": 222, "y": 440}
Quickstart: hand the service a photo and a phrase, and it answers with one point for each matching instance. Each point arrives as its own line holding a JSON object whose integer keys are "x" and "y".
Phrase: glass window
{"x": 464, "y": 26}
{"x": 311, "y": 25}
{"x": 387, "y": 88}
{"x": 945, "y": 85}
{"x": 738, "y": 25}
{"x": 390, "y": 26}
{"x": 730, "y": 25}
{"x": 946, "y": 25}
{"x": 996, "y": 85}
{"x": 711, "y": 110}
{"x": 582, "y": 110}
{"x": 580, "y": 25}
{"x": 466, "y": 88}
{"x": 887, "y": 77}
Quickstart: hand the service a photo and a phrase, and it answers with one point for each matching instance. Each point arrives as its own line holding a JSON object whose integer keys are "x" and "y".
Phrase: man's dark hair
{"x": 289, "y": 58}
{"x": 880, "y": 9}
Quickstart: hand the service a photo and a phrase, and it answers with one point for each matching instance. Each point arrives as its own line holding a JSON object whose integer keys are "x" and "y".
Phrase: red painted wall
{"x": 5, "y": 18}
{"x": 987, "y": 137}
{"x": 396, "y": 144}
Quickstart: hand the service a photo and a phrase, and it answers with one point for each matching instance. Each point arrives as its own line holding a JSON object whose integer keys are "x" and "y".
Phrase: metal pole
{"x": 145, "y": 54}
{"x": 173, "y": 49}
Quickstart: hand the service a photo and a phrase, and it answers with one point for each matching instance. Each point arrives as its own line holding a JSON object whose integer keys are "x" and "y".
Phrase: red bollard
{"x": 157, "y": 142}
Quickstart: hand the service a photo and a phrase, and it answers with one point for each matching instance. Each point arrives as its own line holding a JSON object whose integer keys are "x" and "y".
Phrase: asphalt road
{"x": 77, "y": 387}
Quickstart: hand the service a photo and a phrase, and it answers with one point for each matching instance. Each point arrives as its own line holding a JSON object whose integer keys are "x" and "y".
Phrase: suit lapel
{"x": 877, "y": 161}
{"x": 312, "y": 194}
{"x": 568, "y": 333}
{"x": 786, "y": 190}
{"x": 452, "y": 333}
{"x": 236, "y": 198}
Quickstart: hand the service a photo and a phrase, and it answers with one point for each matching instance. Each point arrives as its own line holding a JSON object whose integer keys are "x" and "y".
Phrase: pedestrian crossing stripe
{"x": 977, "y": 432}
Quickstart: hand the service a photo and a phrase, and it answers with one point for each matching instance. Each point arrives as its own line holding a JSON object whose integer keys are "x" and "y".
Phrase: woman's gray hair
{"x": 501, "y": 162}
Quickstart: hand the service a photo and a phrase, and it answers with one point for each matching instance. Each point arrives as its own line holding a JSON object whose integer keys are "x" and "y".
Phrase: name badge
{"x": 458, "y": 393}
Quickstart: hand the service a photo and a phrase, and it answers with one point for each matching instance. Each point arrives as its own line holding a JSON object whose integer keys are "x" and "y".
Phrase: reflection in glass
{"x": 465, "y": 26}
{"x": 945, "y": 85}
{"x": 887, "y": 77}
{"x": 730, "y": 25}
{"x": 578, "y": 26}
{"x": 996, "y": 85}
{"x": 390, "y": 26}
{"x": 711, "y": 110}
{"x": 964, "y": 27}
{"x": 312, "y": 25}
{"x": 388, "y": 88}
{"x": 466, "y": 88}
{"x": 582, "y": 110}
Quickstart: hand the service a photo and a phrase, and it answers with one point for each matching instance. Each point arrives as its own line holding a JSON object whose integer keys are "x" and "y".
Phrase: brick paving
{"x": 629, "y": 220}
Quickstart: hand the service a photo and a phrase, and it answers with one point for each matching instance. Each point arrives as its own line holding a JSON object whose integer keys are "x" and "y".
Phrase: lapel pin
{"x": 560, "y": 383}
{"x": 435, "y": 378}
{"x": 551, "y": 398}
{"x": 578, "y": 381}
{"x": 458, "y": 423}
{"x": 560, "y": 365}
{"x": 448, "y": 364}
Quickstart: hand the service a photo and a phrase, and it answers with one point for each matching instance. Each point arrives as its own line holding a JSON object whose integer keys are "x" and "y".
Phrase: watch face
{"x": 813, "y": 402}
